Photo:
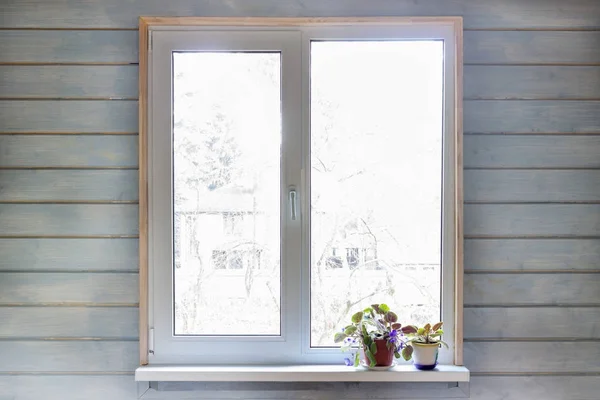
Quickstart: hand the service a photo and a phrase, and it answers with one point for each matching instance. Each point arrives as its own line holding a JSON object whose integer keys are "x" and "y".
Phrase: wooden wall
{"x": 68, "y": 192}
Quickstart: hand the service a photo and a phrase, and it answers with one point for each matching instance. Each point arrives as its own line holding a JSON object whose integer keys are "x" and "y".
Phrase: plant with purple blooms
{"x": 368, "y": 330}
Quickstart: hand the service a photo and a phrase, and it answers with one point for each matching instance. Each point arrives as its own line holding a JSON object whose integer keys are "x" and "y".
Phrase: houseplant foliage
{"x": 376, "y": 332}
{"x": 422, "y": 344}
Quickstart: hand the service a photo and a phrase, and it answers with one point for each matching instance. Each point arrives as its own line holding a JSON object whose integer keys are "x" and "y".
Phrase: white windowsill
{"x": 298, "y": 373}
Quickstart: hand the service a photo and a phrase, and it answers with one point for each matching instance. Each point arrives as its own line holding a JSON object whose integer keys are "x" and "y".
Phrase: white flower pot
{"x": 425, "y": 355}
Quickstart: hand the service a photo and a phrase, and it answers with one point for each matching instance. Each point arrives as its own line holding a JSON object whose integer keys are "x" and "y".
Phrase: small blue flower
{"x": 348, "y": 362}
{"x": 393, "y": 333}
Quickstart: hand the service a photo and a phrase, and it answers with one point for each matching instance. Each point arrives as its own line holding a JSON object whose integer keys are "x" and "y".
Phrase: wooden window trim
{"x": 146, "y": 23}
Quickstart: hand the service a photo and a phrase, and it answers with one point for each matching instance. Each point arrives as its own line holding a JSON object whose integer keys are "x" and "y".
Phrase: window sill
{"x": 298, "y": 373}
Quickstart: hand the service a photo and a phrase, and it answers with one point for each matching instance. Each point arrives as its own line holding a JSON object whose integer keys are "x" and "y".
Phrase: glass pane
{"x": 376, "y": 174}
{"x": 226, "y": 191}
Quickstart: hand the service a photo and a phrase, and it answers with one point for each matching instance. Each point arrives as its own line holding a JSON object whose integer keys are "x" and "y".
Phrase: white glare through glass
{"x": 376, "y": 176}
{"x": 226, "y": 193}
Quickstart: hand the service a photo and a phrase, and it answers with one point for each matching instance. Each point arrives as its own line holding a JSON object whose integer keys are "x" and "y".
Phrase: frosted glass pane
{"x": 226, "y": 191}
{"x": 376, "y": 175}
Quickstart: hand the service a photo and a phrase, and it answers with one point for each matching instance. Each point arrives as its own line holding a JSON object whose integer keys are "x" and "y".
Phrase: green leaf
{"x": 356, "y": 359}
{"x": 373, "y": 348}
{"x": 384, "y": 308}
{"x": 409, "y": 329}
{"x": 371, "y": 358}
{"x": 391, "y": 317}
{"x": 407, "y": 353}
{"x": 396, "y": 354}
{"x": 339, "y": 337}
{"x": 368, "y": 310}
{"x": 356, "y": 318}
{"x": 437, "y": 326}
{"x": 350, "y": 330}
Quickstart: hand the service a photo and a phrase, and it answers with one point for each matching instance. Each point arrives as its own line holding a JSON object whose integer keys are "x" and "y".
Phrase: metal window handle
{"x": 293, "y": 204}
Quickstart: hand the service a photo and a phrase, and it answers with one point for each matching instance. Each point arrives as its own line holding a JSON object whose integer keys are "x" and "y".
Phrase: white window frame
{"x": 291, "y": 36}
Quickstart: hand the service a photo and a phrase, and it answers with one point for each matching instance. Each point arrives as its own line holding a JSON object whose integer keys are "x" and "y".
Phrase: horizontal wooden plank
{"x": 532, "y": 254}
{"x": 532, "y": 47}
{"x": 33, "y": 288}
{"x": 526, "y": 357}
{"x": 538, "y": 151}
{"x": 68, "y": 219}
{"x": 480, "y": 151}
{"x": 531, "y": 186}
{"x": 69, "y": 322}
{"x": 68, "y": 185}
{"x": 114, "y": 81}
{"x": 534, "y": 387}
{"x": 531, "y": 116}
{"x": 68, "y": 116}
{"x": 68, "y": 151}
{"x": 531, "y": 82}
{"x": 482, "y": 14}
{"x": 122, "y": 387}
{"x": 567, "y": 323}
{"x": 532, "y": 219}
{"x": 481, "y": 47}
{"x": 68, "y": 356}
{"x": 531, "y": 289}
{"x": 40, "y": 46}
{"x": 68, "y": 255}
{"x": 68, "y": 387}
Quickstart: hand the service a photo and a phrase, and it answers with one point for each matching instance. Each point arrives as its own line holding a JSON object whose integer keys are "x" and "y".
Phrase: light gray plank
{"x": 532, "y": 219}
{"x": 302, "y": 390}
{"x": 67, "y": 219}
{"x": 532, "y": 289}
{"x": 65, "y": 46}
{"x": 33, "y": 288}
{"x": 567, "y": 323}
{"x": 532, "y": 357}
{"x": 532, "y": 254}
{"x": 69, "y": 81}
{"x": 531, "y": 186}
{"x": 68, "y": 387}
{"x": 68, "y": 356}
{"x": 534, "y": 387}
{"x": 531, "y": 82}
{"x": 121, "y": 387}
{"x": 532, "y": 47}
{"x": 480, "y": 14}
{"x": 18, "y": 116}
{"x": 69, "y": 185}
{"x": 68, "y": 151}
{"x": 538, "y": 151}
{"x": 68, "y": 255}
{"x": 530, "y": 116}
{"x": 69, "y": 322}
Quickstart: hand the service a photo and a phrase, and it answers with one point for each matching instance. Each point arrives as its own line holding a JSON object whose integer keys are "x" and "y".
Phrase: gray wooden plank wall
{"x": 68, "y": 194}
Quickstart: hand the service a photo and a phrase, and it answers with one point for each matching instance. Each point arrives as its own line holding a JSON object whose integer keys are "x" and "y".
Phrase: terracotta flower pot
{"x": 425, "y": 355}
{"x": 384, "y": 356}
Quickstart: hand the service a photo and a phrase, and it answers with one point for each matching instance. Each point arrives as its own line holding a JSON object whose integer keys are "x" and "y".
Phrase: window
{"x": 296, "y": 174}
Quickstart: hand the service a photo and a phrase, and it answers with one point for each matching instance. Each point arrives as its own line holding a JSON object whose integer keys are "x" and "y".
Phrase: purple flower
{"x": 348, "y": 362}
{"x": 393, "y": 333}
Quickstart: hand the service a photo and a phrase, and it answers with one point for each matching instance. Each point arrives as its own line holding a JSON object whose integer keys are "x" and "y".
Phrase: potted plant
{"x": 422, "y": 345}
{"x": 376, "y": 332}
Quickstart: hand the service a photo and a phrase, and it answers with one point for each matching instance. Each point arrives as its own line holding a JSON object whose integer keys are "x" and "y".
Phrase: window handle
{"x": 293, "y": 203}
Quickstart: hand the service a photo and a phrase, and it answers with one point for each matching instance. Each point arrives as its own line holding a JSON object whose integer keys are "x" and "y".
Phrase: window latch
{"x": 293, "y": 203}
